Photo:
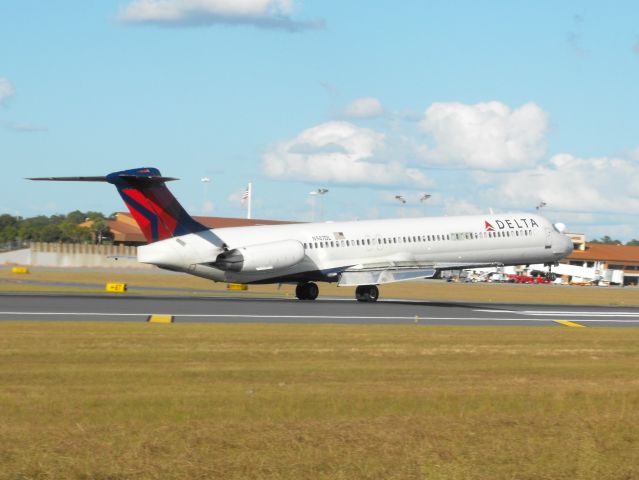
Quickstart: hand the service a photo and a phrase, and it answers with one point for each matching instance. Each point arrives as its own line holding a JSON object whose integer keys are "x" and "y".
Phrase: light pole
{"x": 205, "y": 182}
{"x": 402, "y": 200}
{"x": 424, "y": 197}
{"x": 321, "y": 192}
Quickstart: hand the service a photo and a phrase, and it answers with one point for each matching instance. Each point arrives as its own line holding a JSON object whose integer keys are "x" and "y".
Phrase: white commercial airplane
{"x": 363, "y": 253}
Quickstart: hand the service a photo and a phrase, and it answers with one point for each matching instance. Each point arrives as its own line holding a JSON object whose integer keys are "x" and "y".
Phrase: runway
{"x": 114, "y": 308}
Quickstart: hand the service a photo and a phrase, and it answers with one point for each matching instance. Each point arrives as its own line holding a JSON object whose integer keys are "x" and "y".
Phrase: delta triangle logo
{"x": 489, "y": 227}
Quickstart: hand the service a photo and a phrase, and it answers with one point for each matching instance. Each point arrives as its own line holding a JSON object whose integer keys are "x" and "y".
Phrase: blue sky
{"x": 483, "y": 105}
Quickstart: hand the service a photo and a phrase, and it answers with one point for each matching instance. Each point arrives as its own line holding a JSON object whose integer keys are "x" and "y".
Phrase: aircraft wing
{"x": 376, "y": 274}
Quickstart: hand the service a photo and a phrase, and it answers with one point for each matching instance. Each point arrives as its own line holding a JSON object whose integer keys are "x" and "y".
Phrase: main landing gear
{"x": 367, "y": 293}
{"x": 307, "y": 291}
{"x": 310, "y": 291}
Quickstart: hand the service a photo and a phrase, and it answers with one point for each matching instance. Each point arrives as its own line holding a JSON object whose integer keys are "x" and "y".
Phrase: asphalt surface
{"x": 123, "y": 308}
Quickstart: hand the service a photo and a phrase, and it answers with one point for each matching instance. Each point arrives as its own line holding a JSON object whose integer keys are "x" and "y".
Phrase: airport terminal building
{"x": 607, "y": 257}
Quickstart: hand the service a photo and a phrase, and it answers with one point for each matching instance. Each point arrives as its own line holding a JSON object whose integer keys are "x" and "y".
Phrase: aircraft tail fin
{"x": 156, "y": 211}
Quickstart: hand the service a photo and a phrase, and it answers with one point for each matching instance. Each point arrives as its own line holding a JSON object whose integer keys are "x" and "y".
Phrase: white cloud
{"x": 259, "y": 13}
{"x": 338, "y": 152}
{"x": 366, "y": 107}
{"x": 615, "y": 231}
{"x": 571, "y": 183}
{"x": 487, "y": 136}
{"x": 6, "y": 89}
{"x": 23, "y": 127}
{"x": 457, "y": 206}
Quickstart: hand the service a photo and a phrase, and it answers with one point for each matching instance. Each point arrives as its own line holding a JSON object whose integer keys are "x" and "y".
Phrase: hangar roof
{"x": 610, "y": 253}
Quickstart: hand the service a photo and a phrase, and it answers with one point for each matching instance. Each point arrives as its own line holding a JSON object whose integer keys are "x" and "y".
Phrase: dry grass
{"x": 138, "y": 401}
{"x": 425, "y": 290}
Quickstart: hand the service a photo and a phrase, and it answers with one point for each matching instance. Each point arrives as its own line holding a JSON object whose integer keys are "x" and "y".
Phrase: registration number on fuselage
{"x": 321, "y": 238}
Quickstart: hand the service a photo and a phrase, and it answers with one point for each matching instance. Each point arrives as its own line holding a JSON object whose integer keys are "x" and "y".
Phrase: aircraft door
{"x": 369, "y": 242}
{"x": 548, "y": 238}
{"x": 378, "y": 241}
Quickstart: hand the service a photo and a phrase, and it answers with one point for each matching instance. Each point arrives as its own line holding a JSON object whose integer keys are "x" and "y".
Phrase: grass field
{"x": 434, "y": 290}
{"x": 138, "y": 401}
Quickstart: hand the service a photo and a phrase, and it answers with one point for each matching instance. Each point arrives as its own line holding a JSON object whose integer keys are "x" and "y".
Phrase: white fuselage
{"x": 327, "y": 249}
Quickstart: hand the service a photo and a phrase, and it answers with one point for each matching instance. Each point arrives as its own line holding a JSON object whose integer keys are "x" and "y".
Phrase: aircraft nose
{"x": 568, "y": 246}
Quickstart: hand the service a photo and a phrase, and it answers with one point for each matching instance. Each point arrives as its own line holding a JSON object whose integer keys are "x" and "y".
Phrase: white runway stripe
{"x": 565, "y": 313}
{"x": 315, "y": 317}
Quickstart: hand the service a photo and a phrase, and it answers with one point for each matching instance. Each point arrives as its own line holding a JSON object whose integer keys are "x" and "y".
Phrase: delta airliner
{"x": 362, "y": 253}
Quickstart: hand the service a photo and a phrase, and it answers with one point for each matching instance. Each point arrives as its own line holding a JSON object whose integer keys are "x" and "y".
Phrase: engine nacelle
{"x": 264, "y": 256}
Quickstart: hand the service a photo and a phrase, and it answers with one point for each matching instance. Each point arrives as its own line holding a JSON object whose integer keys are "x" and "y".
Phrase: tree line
{"x": 606, "y": 240}
{"x": 55, "y": 228}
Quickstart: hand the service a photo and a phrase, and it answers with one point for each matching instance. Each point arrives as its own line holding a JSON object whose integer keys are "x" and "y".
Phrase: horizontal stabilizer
{"x": 71, "y": 179}
{"x": 124, "y": 176}
{"x": 145, "y": 179}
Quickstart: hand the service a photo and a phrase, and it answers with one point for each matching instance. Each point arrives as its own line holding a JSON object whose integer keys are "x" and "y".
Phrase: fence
{"x": 73, "y": 255}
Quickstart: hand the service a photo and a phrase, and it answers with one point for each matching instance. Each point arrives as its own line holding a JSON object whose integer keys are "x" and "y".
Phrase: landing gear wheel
{"x": 367, "y": 293}
{"x": 307, "y": 291}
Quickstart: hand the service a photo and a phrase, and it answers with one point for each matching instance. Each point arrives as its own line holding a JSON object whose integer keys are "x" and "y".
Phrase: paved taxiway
{"x": 56, "y": 307}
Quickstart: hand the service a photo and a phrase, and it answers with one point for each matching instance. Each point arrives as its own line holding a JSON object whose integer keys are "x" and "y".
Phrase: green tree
{"x": 8, "y": 228}
{"x": 606, "y": 240}
{"x": 55, "y": 228}
{"x": 76, "y": 217}
{"x": 72, "y": 233}
{"x": 633, "y": 243}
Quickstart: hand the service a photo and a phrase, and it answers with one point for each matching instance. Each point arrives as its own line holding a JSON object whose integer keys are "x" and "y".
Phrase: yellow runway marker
{"x": 160, "y": 319}
{"x": 115, "y": 287}
{"x": 568, "y": 323}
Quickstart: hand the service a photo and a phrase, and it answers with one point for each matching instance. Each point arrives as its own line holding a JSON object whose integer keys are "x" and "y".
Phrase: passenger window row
{"x": 418, "y": 239}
